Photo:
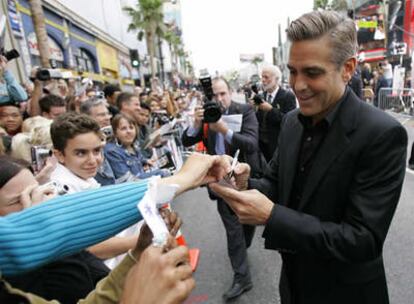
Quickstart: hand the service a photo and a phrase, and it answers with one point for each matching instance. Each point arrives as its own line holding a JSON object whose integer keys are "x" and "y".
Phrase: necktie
{"x": 269, "y": 98}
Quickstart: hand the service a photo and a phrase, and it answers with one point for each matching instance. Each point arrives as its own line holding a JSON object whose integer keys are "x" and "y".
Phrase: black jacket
{"x": 269, "y": 122}
{"x": 332, "y": 244}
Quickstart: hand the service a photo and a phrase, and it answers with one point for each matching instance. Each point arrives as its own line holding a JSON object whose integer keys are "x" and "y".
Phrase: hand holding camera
{"x": 3, "y": 64}
{"x": 219, "y": 127}
{"x": 35, "y": 194}
{"x": 198, "y": 116}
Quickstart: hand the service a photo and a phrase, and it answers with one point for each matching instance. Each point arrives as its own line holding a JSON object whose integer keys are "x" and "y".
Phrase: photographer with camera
{"x": 271, "y": 107}
{"x": 219, "y": 139}
{"x": 10, "y": 90}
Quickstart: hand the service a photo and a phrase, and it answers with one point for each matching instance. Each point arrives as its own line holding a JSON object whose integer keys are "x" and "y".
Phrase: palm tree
{"x": 174, "y": 44}
{"x": 147, "y": 19}
{"x": 40, "y": 30}
{"x": 256, "y": 60}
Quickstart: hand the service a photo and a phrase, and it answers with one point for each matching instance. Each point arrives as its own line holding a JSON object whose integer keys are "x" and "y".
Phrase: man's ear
{"x": 59, "y": 156}
{"x": 348, "y": 69}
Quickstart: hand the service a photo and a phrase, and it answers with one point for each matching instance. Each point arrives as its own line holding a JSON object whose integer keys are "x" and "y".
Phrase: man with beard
{"x": 270, "y": 111}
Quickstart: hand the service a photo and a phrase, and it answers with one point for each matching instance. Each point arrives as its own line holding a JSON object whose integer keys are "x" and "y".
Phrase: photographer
{"x": 271, "y": 107}
{"x": 10, "y": 90}
{"x": 220, "y": 139}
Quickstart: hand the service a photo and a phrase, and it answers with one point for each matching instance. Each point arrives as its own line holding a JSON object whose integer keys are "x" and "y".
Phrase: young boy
{"x": 78, "y": 148}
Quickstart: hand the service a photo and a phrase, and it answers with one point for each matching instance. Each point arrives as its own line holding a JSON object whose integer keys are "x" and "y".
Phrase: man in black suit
{"x": 270, "y": 111}
{"x": 220, "y": 139}
{"x": 330, "y": 191}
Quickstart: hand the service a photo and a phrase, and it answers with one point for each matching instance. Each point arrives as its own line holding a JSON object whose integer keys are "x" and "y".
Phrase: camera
{"x": 258, "y": 97}
{"x": 57, "y": 187}
{"x": 48, "y": 74}
{"x": 9, "y": 55}
{"x": 107, "y": 131}
{"x": 39, "y": 156}
{"x": 212, "y": 110}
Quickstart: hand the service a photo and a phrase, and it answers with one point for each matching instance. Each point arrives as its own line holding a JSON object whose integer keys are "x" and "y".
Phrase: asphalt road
{"x": 203, "y": 229}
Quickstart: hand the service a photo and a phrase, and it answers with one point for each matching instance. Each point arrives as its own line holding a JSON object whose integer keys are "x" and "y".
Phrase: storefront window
{"x": 84, "y": 61}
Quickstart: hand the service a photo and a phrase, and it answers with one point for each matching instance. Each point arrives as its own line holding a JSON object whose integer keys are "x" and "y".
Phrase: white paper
{"x": 156, "y": 196}
{"x": 234, "y": 122}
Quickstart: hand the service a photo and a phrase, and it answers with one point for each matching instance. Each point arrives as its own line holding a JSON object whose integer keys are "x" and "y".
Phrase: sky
{"x": 216, "y": 32}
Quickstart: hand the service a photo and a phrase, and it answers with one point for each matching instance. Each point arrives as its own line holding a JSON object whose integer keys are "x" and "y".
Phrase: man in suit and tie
{"x": 270, "y": 111}
{"x": 219, "y": 139}
{"x": 330, "y": 191}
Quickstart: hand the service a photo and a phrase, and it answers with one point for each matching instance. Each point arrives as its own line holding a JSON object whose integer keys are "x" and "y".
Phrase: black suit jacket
{"x": 246, "y": 140}
{"x": 332, "y": 245}
{"x": 269, "y": 122}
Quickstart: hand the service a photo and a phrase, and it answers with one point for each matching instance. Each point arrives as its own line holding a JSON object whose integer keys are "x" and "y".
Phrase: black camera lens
{"x": 212, "y": 112}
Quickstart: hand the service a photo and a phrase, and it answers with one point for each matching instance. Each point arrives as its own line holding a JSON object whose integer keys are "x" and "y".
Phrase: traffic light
{"x": 134, "y": 56}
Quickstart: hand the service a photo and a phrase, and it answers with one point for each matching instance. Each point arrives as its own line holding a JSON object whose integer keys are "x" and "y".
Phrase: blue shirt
{"x": 11, "y": 90}
{"x": 122, "y": 161}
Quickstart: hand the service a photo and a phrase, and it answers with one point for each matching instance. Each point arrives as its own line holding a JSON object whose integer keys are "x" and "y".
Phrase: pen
{"x": 235, "y": 159}
{"x": 233, "y": 165}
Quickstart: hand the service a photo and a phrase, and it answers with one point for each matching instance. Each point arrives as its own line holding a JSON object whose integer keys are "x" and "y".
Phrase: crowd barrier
{"x": 400, "y": 101}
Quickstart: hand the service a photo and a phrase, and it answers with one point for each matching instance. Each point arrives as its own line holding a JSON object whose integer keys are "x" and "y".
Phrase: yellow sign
{"x": 108, "y": 56}
{"x": 367, "y": 24}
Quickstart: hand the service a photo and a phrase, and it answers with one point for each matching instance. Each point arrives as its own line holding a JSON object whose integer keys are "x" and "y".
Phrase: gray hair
{"x": 340, "y": 30}
{"x": 86, "y": 106}
{"x": 274, "y": 70}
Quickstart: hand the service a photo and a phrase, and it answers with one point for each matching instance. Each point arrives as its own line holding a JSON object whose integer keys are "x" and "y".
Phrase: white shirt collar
{"x": 75, "y": 184}
{"x": 274, "y": 93}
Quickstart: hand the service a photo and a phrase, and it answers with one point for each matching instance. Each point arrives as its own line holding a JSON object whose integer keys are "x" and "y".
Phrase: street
{"x": 203, "y": 229}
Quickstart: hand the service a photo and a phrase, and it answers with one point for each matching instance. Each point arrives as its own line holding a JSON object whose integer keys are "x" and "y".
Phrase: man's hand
{"x": 250, "y": 206}
{"x": 265, "y": 106}
{"x": 198, "y": 116}
{"x": 173, "y": 222}
{"x": 241, "y": 176}
{"x": 44, "y": 174}
{"x": 199, "y": 169}
{"x": 3, "y": 64}
{"x": 35, "y": 194}
{"x": 219, "y": 127}
{"x": 159, "y": 277}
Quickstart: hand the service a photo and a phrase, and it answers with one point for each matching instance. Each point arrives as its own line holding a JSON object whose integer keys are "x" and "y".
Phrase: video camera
{"x": 258, "y": 97}
{"x": 212, "y": 109}
{"x": 39, "y": 156}
{"x": 58, "y": 188}
{"x": 12, "y": 54}
{"x": 48, "y": 74}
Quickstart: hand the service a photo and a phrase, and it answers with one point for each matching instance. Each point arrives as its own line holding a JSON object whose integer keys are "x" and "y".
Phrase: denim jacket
{"x": 122, "y": 161}
{"x": 105, "y": 175}
{"x": 11, "y": 90}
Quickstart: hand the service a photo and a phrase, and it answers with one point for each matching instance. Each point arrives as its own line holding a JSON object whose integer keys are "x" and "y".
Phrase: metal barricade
{"x": 397, "y": 101}
{"x": 368, "y": 95}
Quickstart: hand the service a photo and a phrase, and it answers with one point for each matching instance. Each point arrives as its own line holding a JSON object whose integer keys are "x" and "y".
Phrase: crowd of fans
{"x": 72, "y": 135}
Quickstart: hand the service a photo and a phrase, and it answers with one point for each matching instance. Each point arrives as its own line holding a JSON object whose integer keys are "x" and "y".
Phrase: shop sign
{"x": 55, "y": 51}
{"x": 108, "y": 56}
{"x": 367, "y": 24}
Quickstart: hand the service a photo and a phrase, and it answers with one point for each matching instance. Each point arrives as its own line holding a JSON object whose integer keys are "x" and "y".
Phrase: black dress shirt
{"x": 312, "y": 139}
